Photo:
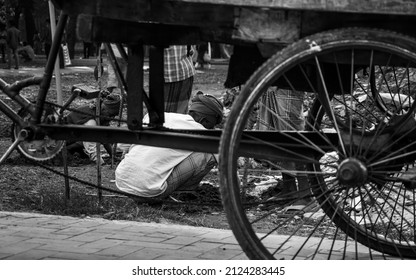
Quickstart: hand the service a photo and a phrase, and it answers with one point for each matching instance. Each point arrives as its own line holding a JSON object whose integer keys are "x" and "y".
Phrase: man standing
{"x": 13, "y": 41}
{"x": 179, "y": 74}
{"x": 3, "y": 41}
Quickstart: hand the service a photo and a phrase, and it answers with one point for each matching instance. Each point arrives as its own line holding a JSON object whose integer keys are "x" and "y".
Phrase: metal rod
{"x": 59, "y": 97}
{"x": 23, "y": 134}
{"x": 65, "y": 164}
{"x": 50, "y": 64}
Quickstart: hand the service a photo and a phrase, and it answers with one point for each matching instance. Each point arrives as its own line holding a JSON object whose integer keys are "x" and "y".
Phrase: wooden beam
{"x": 403, "y": 7}
{"x": 99, "y": 29}
{"x": 156, "y": 83}
{"x": 268, "y": 23}
{"x": 274, "y": 26}
{"x": 135, "y": 86}
{"x": 140, "y": 9}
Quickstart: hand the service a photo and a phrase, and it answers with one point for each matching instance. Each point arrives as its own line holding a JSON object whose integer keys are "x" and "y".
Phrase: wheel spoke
{"x": 354, "y": 194}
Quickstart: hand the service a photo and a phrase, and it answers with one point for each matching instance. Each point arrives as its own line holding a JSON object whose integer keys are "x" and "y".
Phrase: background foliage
{"x": 30, "y": 16}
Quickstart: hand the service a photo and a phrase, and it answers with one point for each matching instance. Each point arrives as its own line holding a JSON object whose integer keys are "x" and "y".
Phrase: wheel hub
{"x": 352, "y": 171}
{"x": 44, "y": 148}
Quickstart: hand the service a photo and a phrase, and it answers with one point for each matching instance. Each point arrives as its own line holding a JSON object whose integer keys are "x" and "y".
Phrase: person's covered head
{"x": 206, "y": 109}
{"x": 111, "y": 105}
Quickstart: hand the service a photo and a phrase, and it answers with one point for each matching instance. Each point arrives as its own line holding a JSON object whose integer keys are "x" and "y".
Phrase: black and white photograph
{"x": 202, "y": 135}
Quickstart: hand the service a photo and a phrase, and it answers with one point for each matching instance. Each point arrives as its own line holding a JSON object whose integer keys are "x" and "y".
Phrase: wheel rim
{"x": 39, "y": 150}
{"x": 366, "y": 141}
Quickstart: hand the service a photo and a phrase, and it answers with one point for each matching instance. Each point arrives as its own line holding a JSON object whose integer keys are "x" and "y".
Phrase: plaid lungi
{"x": 187, "y": 174}
{"x": 177, "y": 95}
{"x": 281, "y": 109}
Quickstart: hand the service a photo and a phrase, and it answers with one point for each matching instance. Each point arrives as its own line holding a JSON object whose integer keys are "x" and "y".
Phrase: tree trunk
{"x": 30, "y": 25}
{"x": 71, "y": 35}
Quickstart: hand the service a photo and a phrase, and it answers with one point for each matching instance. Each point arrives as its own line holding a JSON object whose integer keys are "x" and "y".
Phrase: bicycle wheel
{"x": 40, "y": 149}
{"x": 358, "y": 158}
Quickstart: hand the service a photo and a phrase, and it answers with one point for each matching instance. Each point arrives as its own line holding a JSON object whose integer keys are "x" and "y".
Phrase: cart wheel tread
{"x": 353, "y": 157}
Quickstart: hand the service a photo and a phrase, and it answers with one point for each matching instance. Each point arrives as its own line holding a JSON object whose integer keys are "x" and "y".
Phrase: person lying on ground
{"x": 85, "y": 115}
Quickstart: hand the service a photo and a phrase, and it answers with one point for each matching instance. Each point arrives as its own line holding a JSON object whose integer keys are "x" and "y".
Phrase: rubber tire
{"x": 276, "y": 66}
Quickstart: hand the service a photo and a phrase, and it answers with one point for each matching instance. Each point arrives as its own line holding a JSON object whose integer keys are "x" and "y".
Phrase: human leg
{"x": 177, "y": 95}
{"x": 283, "y": 110}
{"x": 3, "y": 52}
{"x": 9, "y": 57}
{"x": 202, "y": 49}
{"x": 286, "y": 104}
{"x": 290, "y": 109}
{"x": 225, "y": 51}
{"x": 187, "y": 174}
{"x": 16, "y": 57}
{"x": 90, "y": 148}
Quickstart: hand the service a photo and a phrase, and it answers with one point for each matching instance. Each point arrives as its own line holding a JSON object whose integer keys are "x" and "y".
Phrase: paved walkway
{"x": 33, "y": 236}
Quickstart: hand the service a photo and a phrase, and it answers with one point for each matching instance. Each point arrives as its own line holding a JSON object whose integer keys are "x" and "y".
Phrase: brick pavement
{"x": 35, "y": 236}
{"x": 30, "y": 236}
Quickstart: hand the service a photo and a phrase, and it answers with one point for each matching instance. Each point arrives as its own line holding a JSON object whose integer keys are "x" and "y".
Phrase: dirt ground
{"x": 26, "y": 186}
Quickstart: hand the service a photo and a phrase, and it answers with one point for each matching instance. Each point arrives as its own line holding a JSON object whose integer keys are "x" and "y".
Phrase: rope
{"x": 119, "y": 192}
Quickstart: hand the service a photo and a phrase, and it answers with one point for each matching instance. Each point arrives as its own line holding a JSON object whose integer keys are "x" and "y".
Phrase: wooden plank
{"x": 98, "y": 29}
{"x": 274, "y": 26}
{"x": 134, "y": 10}
{"x": 404, "y": 7}
{"x": 156, "y": 83}
{"x": 131, "y": 9}
{"x": 242, "y": 25}
{"x": 217, "y": 22}
{"x": 192, "y": 21}
{"x": 135, "y": 86}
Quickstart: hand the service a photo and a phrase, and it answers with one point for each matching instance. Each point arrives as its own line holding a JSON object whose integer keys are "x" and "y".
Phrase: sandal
{"x": 302, "y": 208}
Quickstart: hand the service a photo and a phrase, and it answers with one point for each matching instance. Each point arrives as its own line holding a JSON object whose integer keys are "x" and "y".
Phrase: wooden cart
{"x": 351, "y": 62}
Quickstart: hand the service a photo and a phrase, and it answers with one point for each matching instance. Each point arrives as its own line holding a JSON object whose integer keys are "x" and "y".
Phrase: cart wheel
{"x": 359, "y": 158}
